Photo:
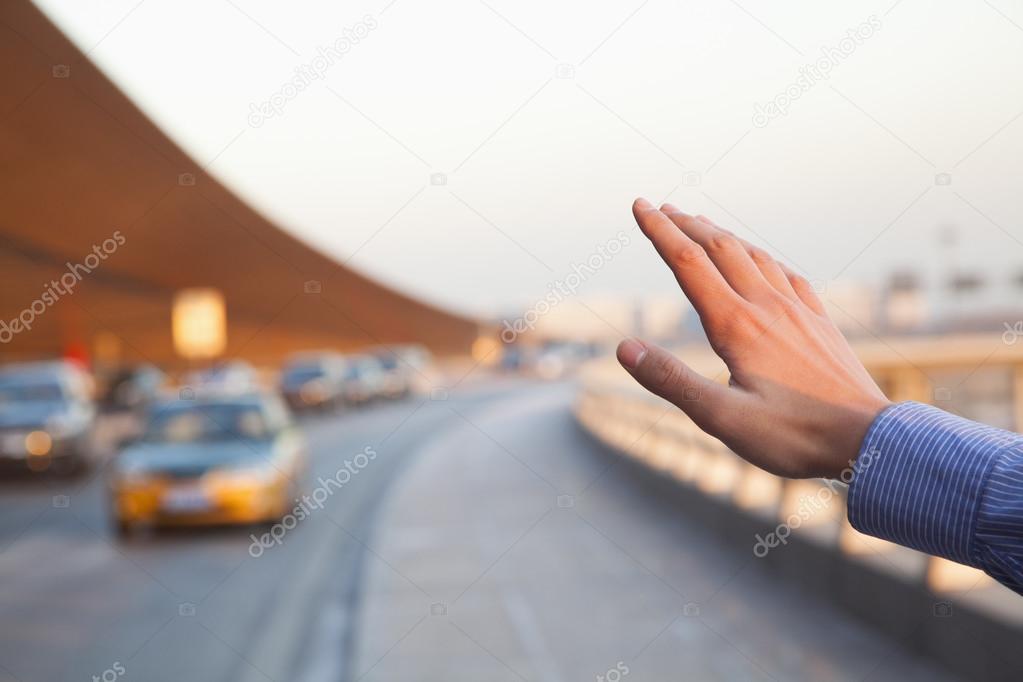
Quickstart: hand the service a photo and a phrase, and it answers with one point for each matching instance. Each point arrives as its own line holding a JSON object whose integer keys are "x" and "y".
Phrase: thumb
{"x": 663, "y": 374}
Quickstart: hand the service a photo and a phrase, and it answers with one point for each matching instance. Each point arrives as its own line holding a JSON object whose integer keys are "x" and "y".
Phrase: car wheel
{"x": 122, "y": 529}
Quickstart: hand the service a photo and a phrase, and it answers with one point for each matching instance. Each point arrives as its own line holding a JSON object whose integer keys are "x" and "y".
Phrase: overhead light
{"x": 199, "y": 323}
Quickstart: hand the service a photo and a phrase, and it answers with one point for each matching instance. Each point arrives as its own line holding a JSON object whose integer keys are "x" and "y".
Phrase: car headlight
{"x": 313, "y": 392}
{"x": 38, "y": 443}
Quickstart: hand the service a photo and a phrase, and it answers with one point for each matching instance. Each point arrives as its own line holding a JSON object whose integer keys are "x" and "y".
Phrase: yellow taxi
{"x": 209, "y": 459}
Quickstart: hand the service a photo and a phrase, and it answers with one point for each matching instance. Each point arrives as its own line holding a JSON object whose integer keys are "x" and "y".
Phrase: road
{"x": 490, "y": 539}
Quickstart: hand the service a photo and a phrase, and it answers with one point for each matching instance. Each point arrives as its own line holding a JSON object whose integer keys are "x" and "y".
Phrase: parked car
{"x": 215, "y": 459}
{"x": 230, "y": 375}
{"x": 134, "y": 388}
{"x": 363, "y": 380}
{"x": 47, "y": 416}
{"x": 404, "y": 367}
{"x": 313, "y": 380}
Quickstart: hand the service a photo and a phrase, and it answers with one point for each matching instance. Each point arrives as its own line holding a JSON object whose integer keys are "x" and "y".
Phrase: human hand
{"x": 798, "y": 402}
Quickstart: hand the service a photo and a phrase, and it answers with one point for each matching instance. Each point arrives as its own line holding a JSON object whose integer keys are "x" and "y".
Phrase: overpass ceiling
{"x": 79, "y": 161}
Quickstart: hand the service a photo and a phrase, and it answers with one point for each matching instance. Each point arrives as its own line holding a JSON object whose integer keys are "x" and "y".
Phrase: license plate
{"x": 185, "y": 500}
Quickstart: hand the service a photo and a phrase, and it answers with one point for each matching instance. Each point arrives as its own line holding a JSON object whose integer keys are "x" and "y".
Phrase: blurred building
{"x": 904, "y": 302}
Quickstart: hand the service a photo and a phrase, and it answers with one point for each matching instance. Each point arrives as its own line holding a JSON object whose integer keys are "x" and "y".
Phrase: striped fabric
{"x": 943, "y": 485}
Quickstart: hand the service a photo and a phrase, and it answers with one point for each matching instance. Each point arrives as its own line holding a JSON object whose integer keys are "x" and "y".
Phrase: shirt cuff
{"x": 919, "y": 479}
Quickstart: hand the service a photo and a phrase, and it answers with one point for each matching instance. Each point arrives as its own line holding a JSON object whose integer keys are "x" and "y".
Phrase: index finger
{"x": 701, "y": 281}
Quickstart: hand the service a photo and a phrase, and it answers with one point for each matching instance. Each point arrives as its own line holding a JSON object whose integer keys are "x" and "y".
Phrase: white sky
{"x": 541, "y": 170}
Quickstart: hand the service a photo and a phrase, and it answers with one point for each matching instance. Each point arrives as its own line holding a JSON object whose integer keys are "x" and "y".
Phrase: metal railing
{"x": 954, "y": 372}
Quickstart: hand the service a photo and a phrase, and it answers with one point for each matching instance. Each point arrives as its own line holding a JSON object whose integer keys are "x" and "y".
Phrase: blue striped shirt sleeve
{"x": 944, "y": 485}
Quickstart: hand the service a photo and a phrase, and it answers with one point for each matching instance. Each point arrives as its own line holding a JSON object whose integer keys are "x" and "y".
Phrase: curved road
{"x": 490, "y": 539}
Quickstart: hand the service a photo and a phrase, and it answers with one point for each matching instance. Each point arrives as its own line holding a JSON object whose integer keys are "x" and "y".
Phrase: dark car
{"x": 314, "y": 380}
{"x": 46, "y": 416}
{"x": 227, "y": 376}
{"x": 134, "y": 388}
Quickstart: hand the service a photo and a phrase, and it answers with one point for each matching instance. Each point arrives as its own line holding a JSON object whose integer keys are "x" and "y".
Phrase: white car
{"x": 46, "y": 416}
{"x": 363, "y": 380}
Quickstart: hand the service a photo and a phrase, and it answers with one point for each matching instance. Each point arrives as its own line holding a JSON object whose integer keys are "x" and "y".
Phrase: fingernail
{"x": 631, "y": 353}
{"x": 643, "y": 203}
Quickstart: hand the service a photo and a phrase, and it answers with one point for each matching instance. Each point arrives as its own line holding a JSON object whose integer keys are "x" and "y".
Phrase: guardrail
{"x": 779, "y": 514}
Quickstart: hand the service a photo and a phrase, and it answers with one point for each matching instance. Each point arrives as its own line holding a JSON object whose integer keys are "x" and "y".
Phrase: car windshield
{"x": 12, "y": 392}
{"x": 305, "y": 372}
{"x": 355, "y": 370}
{"x": 221, "y": 373}
{"x": 207, "y": 422}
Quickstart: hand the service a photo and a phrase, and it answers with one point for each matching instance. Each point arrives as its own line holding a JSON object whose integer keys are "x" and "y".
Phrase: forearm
{"x": 944, "y": 485}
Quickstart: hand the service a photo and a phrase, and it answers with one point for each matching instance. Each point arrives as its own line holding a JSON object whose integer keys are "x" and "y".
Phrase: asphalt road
{"x": 488, "y": 540}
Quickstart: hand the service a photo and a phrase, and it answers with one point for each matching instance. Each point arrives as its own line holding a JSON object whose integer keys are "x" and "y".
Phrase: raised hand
{"x": 798, "y": 402}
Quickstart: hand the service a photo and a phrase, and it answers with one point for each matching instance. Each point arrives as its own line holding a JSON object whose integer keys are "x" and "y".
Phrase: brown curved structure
{"x": 78, "y": 161}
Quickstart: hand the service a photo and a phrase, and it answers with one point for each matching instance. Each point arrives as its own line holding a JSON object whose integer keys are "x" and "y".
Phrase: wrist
{"x": 852, "y": 437}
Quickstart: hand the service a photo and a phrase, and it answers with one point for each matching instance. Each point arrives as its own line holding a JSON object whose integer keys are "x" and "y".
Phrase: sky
{"x": 473, "y": 153}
